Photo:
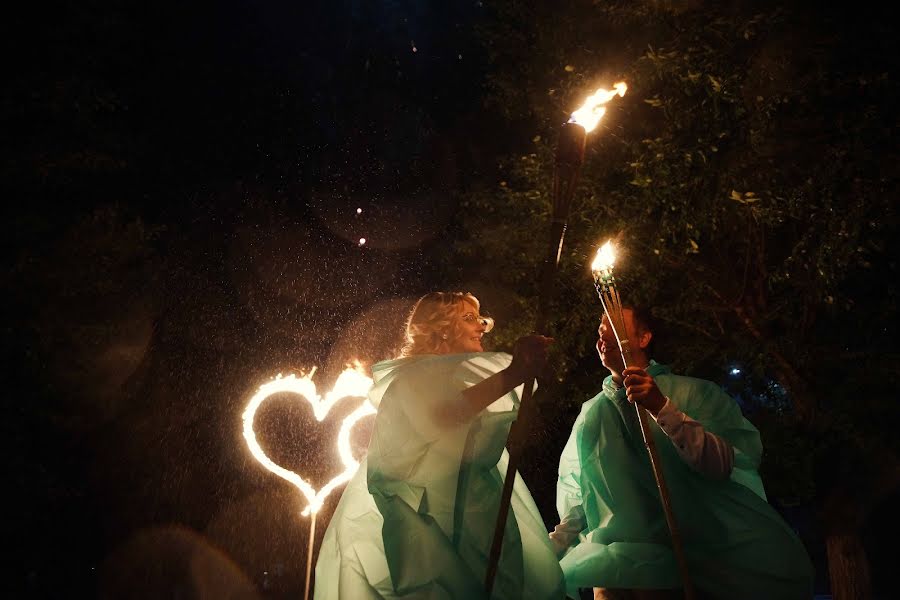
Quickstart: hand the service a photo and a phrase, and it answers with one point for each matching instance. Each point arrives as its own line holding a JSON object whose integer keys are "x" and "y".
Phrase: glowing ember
{"x": 593, "y": 109}
{"x": 605, "y": 259}
{"x": 352, "y": 382}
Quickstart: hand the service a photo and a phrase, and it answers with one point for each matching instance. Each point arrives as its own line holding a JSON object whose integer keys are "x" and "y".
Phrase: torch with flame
{"x": 605, "y": 283}
{"x": 593, "y": 109}
{"x": 352, "y": 382}
{"x": 569, "y": 158}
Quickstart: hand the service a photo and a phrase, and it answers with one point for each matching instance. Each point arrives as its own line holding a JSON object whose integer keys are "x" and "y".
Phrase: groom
{"x": 613, "y": 535}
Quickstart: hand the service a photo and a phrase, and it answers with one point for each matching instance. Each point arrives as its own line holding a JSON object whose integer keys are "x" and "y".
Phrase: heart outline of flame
{"x": 352, "y": 382}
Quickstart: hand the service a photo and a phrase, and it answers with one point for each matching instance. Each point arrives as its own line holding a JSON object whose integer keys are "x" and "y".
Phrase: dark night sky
{"x": 184, "y": 179}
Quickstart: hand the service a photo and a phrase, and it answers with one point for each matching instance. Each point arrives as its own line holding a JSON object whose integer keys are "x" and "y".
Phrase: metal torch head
{"x": 603, "y": 280}
{"x": 570, "y": 146}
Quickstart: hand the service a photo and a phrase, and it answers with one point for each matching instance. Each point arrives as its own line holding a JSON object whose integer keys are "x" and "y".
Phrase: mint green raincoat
{"x": 417, "y": 520}
{"x": 736, "y": 544}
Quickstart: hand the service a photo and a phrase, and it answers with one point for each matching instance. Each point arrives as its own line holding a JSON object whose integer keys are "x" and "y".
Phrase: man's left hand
{"x": 641, "y": 388}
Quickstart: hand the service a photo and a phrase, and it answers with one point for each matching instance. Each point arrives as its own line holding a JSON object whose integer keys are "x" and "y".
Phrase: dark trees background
{"x": 181, "y": 185}
{"x": 750, "y": 176}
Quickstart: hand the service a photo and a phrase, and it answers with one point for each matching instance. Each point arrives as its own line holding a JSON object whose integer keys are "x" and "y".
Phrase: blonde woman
{"x": 418, "y": 518}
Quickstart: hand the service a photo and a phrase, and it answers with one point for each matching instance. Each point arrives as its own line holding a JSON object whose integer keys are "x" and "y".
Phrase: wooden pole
{"x": 612, "y": 306}
{"x": 309, "y": 553}
{"x": 665, "y": 499}
{"x": 569, "y": 157}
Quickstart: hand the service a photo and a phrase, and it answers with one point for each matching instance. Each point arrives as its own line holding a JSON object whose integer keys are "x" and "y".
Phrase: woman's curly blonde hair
{"x": 434, "y": 324}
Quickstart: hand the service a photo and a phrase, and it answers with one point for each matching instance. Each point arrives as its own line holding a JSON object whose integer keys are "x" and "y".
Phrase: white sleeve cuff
{"x": 703, "y": 451}
{"x": 567, "y": 533}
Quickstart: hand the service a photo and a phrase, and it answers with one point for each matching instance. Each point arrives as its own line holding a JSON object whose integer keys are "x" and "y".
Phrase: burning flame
{"x": 605, "y": 259}
{"x": 352, "y": 382}
{"x": 593, "y": 109}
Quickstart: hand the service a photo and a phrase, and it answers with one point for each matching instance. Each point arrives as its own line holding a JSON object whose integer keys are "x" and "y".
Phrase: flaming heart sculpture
{"x": 352, "y": 382}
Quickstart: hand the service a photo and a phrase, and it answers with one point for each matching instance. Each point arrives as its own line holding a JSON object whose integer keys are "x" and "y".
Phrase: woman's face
{"x": 472, "y": 329}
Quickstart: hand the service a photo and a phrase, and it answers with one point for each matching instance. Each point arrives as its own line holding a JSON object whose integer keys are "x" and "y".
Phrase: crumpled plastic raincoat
{"x": 417, "y": 520}
{"x": 737, "y": 546}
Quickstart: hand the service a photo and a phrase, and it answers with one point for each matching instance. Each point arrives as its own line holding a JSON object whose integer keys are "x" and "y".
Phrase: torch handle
{"x": 548, "y": 280}
{"x": 569, "y": 156}
{"x": 656, "y": 464}
{"x": 677, "y": 544}
{"x": 518, "y": 435}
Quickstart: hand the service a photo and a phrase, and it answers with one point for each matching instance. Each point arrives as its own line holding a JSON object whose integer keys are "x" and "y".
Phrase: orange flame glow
{"x": 593, "y": 109}
{"x": 605, "y": 259}
{"x": 352, "y": 382}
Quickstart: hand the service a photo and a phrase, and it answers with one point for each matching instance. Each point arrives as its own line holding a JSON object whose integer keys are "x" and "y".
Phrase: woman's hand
{"x": 529, "y": 357}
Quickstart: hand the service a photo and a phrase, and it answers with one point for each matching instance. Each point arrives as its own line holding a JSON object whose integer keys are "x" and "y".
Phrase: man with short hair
{"x": 613, "y": 535}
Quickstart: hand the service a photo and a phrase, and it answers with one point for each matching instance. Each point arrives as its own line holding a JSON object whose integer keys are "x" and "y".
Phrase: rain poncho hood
{"x": 737, "y": 546}
{"x": 417, "y": 519}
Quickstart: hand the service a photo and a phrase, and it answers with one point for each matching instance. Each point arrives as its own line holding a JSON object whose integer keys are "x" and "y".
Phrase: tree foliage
{"x": 750, "y": 179}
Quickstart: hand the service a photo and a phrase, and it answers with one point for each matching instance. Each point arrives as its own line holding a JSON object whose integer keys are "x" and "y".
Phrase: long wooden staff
{"x": 569, "y": 158}
{"x": 612, "y": 306}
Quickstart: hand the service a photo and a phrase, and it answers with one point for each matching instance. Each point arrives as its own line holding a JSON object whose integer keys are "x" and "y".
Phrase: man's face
{"x": 608, "y": 348}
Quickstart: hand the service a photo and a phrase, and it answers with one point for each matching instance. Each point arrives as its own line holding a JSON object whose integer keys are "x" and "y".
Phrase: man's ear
{"x": 644, "y": 338}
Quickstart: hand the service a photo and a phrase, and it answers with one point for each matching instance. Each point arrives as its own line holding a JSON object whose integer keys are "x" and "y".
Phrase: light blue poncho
{"x": 418, "y": 518}
{"x": 737, "y": 546}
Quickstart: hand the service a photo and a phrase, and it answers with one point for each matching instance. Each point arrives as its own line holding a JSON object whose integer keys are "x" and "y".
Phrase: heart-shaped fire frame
{"x": 352, "y": 382}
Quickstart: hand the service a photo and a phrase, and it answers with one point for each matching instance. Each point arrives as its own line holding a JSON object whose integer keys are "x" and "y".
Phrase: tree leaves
{"x": 747, "y": 178}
